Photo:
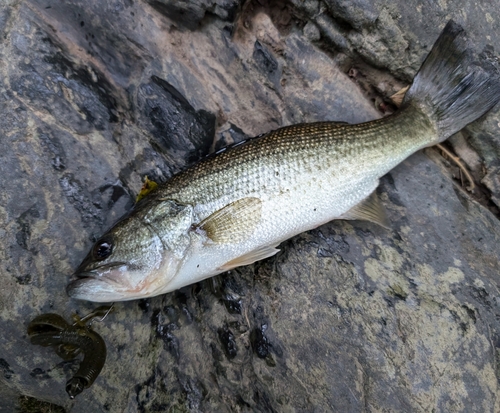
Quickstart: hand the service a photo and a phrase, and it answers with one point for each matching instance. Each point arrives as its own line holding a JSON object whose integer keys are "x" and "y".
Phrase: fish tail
{"x": 450, "y": 87}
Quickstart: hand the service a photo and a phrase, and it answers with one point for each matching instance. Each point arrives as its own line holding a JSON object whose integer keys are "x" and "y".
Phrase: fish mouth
{"x": 103, "y": 284}
{"x": 91, "y": 289}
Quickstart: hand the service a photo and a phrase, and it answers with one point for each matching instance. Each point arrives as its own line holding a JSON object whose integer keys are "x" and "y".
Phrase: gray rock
{"x": 190, "y": 13}
{"x": 176, "y": 128}
{"x": 348, "y": 317}
{"x": 356, "y": 13}
{"x": 311, "y": 32}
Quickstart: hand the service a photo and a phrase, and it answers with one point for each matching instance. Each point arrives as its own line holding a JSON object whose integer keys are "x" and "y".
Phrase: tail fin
{"x": 451, "y": 88}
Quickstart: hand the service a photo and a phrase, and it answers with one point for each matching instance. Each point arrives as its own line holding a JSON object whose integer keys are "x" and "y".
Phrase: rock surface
{"x": 348, "y": 317}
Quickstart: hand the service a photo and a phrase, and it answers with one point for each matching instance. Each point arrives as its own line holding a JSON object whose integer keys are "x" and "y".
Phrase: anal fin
{"x": 249, "y": 258}
{"x": 370, "y": 209}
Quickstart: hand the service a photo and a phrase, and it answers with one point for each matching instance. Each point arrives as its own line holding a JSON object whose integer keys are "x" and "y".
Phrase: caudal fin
{"x": 450, "y": 87}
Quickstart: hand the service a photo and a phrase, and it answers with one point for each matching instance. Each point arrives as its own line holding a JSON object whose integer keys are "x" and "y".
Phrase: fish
{"x": 69, "y": 340}
{"x": 235, "y": 207}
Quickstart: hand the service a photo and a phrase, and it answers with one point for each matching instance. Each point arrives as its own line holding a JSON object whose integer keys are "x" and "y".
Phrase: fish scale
{"x": 292, "y": 156}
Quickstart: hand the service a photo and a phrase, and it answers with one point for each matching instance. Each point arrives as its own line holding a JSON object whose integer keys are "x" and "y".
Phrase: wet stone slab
{"x": 348, "y": 317}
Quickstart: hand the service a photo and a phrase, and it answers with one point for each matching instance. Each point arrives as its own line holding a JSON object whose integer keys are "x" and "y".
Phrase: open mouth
{"x": 116, "y": 281}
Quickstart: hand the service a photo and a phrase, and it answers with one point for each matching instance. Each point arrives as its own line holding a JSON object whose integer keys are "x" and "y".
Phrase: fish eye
{"x": 103, "y": 248}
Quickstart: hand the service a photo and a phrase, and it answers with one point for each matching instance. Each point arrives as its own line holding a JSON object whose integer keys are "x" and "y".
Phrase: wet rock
{"x": 96, "y": 96}
{"x": 228, "y": 342}
{"x": 356, "y": 13}
{"x": 190, "y": 14}
{"x": 311, "y": 32}
{"x": 260, "y": 343}
{"x": 267, "y": 63}
{"x": 177, "y": 130}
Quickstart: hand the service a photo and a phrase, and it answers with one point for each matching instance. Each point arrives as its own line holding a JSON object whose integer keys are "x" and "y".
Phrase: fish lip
{"x": 72, "y": 288}
{"x": 83, "y": 275}
{"x": 95, "y": 272}
{"x": 79, "y": 290}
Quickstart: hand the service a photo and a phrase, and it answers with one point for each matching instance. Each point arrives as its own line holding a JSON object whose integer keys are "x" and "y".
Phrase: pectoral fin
{"x": 233, "y": 223}
{"x": 370, "y": 209}
{"x": 255, "y": 255}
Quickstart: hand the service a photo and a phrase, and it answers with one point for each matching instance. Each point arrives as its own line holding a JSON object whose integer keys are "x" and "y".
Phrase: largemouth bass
{"x": 236, "y": 207}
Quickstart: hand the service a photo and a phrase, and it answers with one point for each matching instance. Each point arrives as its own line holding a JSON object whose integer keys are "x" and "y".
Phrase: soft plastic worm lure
{"x": 69, "y": 340}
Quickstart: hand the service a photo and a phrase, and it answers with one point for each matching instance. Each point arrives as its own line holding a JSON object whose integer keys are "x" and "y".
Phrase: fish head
{"x": 136, "y": 258}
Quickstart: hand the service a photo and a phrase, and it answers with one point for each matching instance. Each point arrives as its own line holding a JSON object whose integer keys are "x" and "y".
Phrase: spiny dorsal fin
{"x": 233, "y": 223}
{"x": 370, "y": 209}
{"x": 249, "y": 258}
